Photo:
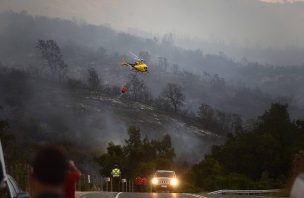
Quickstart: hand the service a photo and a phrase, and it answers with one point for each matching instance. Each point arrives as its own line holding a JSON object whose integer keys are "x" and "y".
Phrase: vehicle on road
{"x": 10, "y": 189}
{"x": 164, "y": 181}
{"x": 14, "y": 191}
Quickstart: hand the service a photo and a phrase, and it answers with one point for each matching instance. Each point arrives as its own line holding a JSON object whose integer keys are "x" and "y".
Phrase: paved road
{"x": 95, "y": 195}
{"x": 237, "y": 196}
{"x": 137, "y": 195}
{"x": 154, "y": 195}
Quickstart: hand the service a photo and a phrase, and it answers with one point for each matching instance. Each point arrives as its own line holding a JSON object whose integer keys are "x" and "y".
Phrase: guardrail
{"x": 247, "y": 192}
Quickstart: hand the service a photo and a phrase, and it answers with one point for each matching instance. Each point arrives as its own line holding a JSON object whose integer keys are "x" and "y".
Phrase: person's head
{"x": 71, "y": 165}
{"x": 49, "y": 170}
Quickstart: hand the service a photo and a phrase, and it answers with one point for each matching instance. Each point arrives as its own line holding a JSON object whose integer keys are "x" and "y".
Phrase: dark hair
{"x": 50, "y": 166}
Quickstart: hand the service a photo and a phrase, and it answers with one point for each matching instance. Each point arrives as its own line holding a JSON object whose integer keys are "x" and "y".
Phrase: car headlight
{"x": 154, "y": 181}
{"x": 174, "y": 182}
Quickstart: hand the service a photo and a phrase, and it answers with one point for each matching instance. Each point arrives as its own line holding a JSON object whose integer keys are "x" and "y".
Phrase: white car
{"x": 164, "y": 180}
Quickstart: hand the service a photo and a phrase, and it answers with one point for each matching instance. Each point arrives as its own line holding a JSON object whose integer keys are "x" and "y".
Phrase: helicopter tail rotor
{"x": 123, "y": 61}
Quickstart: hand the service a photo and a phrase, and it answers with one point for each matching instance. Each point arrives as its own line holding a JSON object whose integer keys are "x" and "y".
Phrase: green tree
{"x": 114, "y": 155}
{"x": 133, "y": 150}
{"x": 138, "y": 156}
{"x": 165, "y": 149}
{"x": 205, "y": 172}
{"x": 50, "y": 51}
{"x": 261, "y": 156}
{"x": 206, "y": 114}
{"x": 165, "y": 152}
{"x": 174, "y": 96}
{"x": 138, "y": 91}
{"x": 94, "y": 82}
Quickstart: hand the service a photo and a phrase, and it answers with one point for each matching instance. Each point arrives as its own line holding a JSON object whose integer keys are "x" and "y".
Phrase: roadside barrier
{"x": 246, "y": 192}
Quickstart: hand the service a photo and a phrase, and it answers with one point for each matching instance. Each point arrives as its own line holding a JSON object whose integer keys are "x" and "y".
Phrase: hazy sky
{"x": 244, "y": 22}
{"x": 281, "y": 1}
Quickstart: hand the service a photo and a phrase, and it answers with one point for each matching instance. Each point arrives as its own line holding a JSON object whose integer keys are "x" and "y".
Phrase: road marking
{"x": 194, "y": 195}
{"x": 117, "y": 195}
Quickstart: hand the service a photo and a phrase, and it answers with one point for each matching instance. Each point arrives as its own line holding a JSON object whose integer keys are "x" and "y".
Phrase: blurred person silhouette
{"x": 73, "y": 176}
{"x": 48, "y": 174}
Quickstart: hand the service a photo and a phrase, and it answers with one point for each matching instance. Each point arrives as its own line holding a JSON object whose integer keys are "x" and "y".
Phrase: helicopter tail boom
{"x": 124, "y": 62}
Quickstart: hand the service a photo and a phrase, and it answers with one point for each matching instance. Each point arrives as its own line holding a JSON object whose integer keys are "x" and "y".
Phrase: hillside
{"x": 44, "y": 111}
{"x": 43, "y": 104}
{"x": 187, "y": 137}
{"x": 231, "y": 86}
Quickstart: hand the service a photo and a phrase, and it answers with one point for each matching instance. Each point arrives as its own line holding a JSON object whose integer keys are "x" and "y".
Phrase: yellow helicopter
{"x": 138, "y": 65}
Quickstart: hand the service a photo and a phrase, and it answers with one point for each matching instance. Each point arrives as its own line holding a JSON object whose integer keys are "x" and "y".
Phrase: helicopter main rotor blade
{"x": 135, "y": 56}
